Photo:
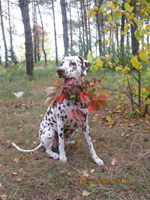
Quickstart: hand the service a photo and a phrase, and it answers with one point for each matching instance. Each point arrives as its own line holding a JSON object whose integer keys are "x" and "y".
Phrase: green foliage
{"x": 132, "y": 67}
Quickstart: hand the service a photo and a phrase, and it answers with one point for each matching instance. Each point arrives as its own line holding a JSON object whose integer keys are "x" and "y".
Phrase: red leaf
{"x": 92, "y": 97}
{"x": 95, "y": 105}
{"x": 103, "y": 103}
{"x": 61, "y": 98}
{"x": 58, "y": 82}
{"x": 84, "y": 96}
{"x": 76, "y": 116}
{"x": 102, "y": 97}
{"x": 113, "y": 162}
{"x": 60, "y": 90}
{"x": 89, "y": 84}
{"x": 95, "y": 78}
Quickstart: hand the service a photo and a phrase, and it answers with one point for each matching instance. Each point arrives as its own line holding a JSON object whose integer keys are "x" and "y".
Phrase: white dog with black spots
{"x": 56, "y": 128}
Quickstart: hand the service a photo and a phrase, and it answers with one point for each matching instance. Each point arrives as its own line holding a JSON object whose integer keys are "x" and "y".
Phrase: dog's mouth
{"x": 68, "y": 82}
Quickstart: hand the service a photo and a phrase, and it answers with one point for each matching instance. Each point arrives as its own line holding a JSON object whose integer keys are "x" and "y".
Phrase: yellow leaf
{"x": 110, "y": 40}
{"x": 19, "y": 179}
{"x": 147, "y": 87}
{"x": 106, "y": 92}
{"x": 90, "y": 57}
{"x": 106, "y": 42}
{"x": 99, "y": 63}
{"x": 136, "y": 63}
{"x": 16, "y": 160}
{"x": 126, "y": 28}
{"x": 96, "y": 8}
{"x": 144, "y": 56}
{"x": 103, "y": 79}
{"x": 122, "y": 33}
{"x": 148, "y": 69}
{"x": 100, "y": 10}
{"x": 91, "y": 13}
{"x": 105, "y": 30}
{"x": 104, "y": 13}
{"x": 14, "y": 173}
{"x": 147, "y": 101}
{"x": 114, "y": 26}
{"x": 118, "y": 68}
{"x": 110, "y": 19}
{"x": 110, "y": 64}
{"x": 92, "y": 170}
{"x": 108, "y": 57}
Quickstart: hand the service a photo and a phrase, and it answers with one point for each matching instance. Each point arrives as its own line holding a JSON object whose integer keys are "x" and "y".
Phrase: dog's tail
{"x": 27, "y": 151}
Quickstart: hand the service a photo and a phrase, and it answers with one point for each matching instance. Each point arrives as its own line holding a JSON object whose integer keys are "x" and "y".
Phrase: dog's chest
{"x": 61, "y": 113}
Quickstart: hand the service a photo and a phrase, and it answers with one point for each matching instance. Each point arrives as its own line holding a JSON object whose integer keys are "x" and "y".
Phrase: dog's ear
{"x": 85, "y": 66}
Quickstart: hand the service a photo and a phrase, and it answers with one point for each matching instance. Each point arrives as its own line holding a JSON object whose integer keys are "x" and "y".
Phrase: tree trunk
{"x": 86, "y": 29}
{"x": 28, "y": 38}
{"x": 65, "y": 26}
{"x": 35, "y": 31}
{"x": 71, "y": 35}
{"x": 4, "y": 39}
{"x": 10, "y": 33}
{"x": 83, "y": 30}
{"x": 122, "y": 36}
{"x": 135, "y": 42}
{"x": 55, "y": 34}
{"x": 42, "y": 36}
{"x": 80, "y": 38}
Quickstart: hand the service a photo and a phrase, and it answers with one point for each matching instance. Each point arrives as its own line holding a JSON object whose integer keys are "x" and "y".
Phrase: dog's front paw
{"x": 98, "y": 161}
{"x": 63, "y": 159}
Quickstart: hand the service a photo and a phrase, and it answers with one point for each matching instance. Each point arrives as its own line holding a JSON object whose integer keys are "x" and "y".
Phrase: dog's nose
{"x": 60, "y": 71}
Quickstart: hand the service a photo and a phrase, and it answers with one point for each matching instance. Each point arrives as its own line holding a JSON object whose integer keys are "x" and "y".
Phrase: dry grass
{"x": 36, "y": 176}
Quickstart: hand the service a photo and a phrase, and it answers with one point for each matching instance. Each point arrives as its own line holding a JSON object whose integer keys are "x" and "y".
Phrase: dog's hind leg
{"x": 47, "y": 139}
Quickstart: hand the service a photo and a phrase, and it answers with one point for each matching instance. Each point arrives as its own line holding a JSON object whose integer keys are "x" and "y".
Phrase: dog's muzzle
{"x": 67, "y": 82}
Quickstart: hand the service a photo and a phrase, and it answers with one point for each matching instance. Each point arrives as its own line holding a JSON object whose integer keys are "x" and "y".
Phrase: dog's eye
{"x": 73, "y": 63}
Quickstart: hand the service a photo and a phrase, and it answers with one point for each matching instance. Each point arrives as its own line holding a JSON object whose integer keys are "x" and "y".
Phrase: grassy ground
{"x": 35, "y": 176}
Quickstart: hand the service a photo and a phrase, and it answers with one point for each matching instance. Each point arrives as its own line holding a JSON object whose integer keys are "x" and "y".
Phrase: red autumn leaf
{"x": 102, "y": 97}
{"x": 95, "y": 78}
{"x": 84, "y": 96}
{"x": 89, "y": 84}
{"x": 92, "y": 97}
{"x": 61, "y": 98}
{"x": 60, "y": 90}
{"x": 95, "y": 105}
{"x": 72, "y": 113}
{"x": 89, "y": 109}
{"x": 58, "y": 82}
{"x": 113, "y": 162}
{"x": 76, "y": 116}
{"x": 103, "y": 103}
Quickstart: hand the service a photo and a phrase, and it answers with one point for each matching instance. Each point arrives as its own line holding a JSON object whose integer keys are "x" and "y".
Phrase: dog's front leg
{"x": 61, "y": 146}
{"x": 86, "y": 132}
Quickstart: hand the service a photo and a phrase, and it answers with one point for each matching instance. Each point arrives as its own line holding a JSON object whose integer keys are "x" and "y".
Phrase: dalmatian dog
{"x": 57, "y": 128}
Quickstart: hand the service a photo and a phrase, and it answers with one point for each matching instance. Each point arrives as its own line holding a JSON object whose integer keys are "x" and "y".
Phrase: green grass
{"x": 36, "y": 176}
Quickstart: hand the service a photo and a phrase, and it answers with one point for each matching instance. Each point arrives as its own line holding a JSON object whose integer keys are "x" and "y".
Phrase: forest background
{"x": 114, "y": 37}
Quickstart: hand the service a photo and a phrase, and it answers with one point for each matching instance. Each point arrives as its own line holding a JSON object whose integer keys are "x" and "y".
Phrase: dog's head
{"x": 72, "y": 69}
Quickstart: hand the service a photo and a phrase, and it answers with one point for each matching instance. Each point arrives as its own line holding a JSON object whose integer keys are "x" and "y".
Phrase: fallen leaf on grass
{"x": 3, "y": 196}
{"x": 85, "y": 173}
{"x": 16, "y": 160}
{"x": 14, "y": 173}
{"x": 19, "y": 179}
{"x": 92, "y": 170}
{"x": 85, "y": 193}
{"x": 113, "y": 162}
{"x": 0, "y": 184}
